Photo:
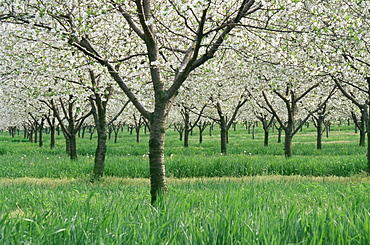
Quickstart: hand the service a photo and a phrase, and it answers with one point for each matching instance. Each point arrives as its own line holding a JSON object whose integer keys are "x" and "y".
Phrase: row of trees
{"x": 284, "y": 60}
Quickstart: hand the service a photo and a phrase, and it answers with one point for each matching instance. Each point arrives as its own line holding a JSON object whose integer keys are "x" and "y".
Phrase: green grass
{"x": 203, "y": 211}
{"x": 251, "y": 196}
{"x": 340, "y": 156}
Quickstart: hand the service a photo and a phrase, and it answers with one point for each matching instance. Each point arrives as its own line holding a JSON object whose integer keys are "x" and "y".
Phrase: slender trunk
{"x": 186, "y": 138}
{"x": 36, "y": 134}
{"x": 41, "y": 127}
{"x": 320, "y": 121}
{"x": 200, "y": 135}
{"x": 138, "y": 134}
{"x": 210, "y": 130}
{"x": 180, "y": 135}
{"x": 83, "y": 132}
{"x": 279, "y": 134}
{"x": 115, "y": 137}
{"x": 109, "y": 133}
{"x": 253, "y": 131}
{"x": 186, "y": 129}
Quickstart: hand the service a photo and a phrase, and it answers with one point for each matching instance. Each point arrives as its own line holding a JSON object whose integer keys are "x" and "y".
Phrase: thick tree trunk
{"x": 156, "y": 156}
{"x": 73, "y": 146}
{"x": 362, "y": 138}
{"x": 52, "y": 136}
{"x": 288, "y": 145}
{"x": 288, "y": 141}
{"x": 266, "y": 139}
{"x": 68, "y": 144}
{"x": 223, "y": 127}
{"x": 101, "y": 148}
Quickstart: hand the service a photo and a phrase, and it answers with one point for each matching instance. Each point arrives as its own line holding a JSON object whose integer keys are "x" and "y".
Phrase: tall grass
{"x": 340, "y": 156}
{"x": 200, "y": 212}
{"x": 45, "y": 198}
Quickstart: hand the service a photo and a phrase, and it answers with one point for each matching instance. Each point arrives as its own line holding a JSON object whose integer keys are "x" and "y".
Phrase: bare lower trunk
{"x": 41, "y": 139}
{"x": 288, "y": 143}
{"x": 156, "y": 157}
{"x": 52, "y": 137}
{"x": 266, "y": 139}
{"x": 68, "y": 144}
{"x": 186, "y": 129}
{"x": 186, "y": 137}
{"x": 320, "y": 122}
{"x": 362, "y": 138}
{"x": 100, "y": 149}
{"x": 73, "y": 146}
{"x": 138, "y": 134}
{"x": 223, "y": 137}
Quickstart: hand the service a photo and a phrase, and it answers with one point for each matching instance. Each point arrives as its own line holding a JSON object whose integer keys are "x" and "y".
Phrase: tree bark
{"x": 158, "y": 181}
{"x": 288, "y": 142}
{"x": 101, "y": 148}
{"x": 224, "y": 130}
{"x": 41, "y": 128}
{"x": 266, "y": 138}
{"x": 368, "y": 124}
{"x": 320, "y": 122}
{"x": 187, "y": 128}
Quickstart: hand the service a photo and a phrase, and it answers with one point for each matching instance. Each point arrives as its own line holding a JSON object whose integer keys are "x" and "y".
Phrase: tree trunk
{"x": 115, "y": 137}
{"x": 186, "y": 138}
{"x": 223, "y": 135}
{"x": 253, "y": 130}
{"x": 288, "y": 145}
{"x": 101, "y": 148}
{"x": 319, "y": 128}
{"x": 266, "y": 139}
{"x": 156, "y": 156}
{"x": 137, "y": 129}
{"x": 41, "y": 127}
{"x": 200, "y": 135}
{"x": 280, "y": 129}
{"x": 367, "y": 118}
{"x": 202, "y": 127}
{"x": 52, "y": 136}
{"x": 362, "y": 138}
{"x": 68, "y": 144}
{"x": 186, "y": 128}
{"x": 35, "y": 134}
{"x": 73, "y": 146}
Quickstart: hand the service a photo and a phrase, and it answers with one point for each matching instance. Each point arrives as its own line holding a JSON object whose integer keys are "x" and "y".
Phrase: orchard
{"x": 193, "y": 71}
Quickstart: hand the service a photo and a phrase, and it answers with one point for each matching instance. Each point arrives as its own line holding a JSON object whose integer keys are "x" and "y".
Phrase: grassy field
{"x": 251, "y": 196}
